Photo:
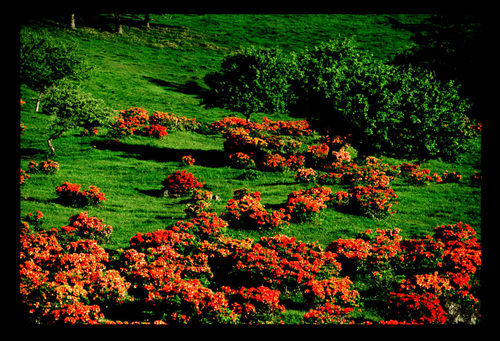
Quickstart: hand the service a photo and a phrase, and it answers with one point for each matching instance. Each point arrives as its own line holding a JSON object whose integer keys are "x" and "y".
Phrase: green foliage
{"x": 253, "y": 80}
{"x": 401, "y": 112}
{"x": 45, "y": 61}
{"x": 70, "y": 107}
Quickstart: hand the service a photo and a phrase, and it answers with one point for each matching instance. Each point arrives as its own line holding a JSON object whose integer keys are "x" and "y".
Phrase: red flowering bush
{"x": 258, "y": 305}
{"x": 241, "y": 160}
{"x": 156, "y": 130}
{"x": 303, "y": 204}
{"x": 70, "y": 194}
{"x": 66, "y": 283}
{"x": 371, "y": 201}
{"x": 200, "y": 202}
{"x": 129, "y": 121}
{"x": 181, "y": 183}
{"x": 90, "y": 227}
{"x": 245, "y": 210}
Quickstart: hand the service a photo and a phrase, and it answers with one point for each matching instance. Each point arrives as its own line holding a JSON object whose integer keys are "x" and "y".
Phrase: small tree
{"x": 252, "y": 80}
{"x": 70, "y": 107}
{"x": 44, "y": 62}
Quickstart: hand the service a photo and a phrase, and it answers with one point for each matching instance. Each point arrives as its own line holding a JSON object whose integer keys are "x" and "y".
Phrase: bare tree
{"x": 72, "y": 24}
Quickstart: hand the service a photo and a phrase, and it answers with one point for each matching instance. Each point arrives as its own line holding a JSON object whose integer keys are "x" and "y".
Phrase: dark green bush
{"x": 402, "y": 112}
{"x": 253, "y": 80}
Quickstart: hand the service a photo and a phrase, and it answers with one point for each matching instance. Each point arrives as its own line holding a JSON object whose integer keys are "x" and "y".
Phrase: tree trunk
{"x": 146, "y": 21}
{"x": 52, "y": 138}
{"x": 119, "y": 26}
{"x": 72, "y": 24}
{"x": 38, "y": 101}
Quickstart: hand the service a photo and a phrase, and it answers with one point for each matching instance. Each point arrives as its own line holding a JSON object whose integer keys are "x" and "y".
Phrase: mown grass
{"x": 162, "y": 69}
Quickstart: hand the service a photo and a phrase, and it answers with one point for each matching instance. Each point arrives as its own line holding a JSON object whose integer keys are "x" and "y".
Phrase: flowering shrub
{"x": 156, "y": 130}
{"x": 369, "y": 201}
{"x": 66, "y": 284}
{"x": 258, "y": 305}
{"x": 451, "y": 177}
{"x": 200, "y": 203}
{"x": 34, "y": 221}
{"x": 70, "y": 194}
{"x": 45, "y": 167}
{"x": 181, "y": 183}
{"x": 245, "y": 210}
{"x": 173, "y": 122}
{"x": 86, "y": 227}
{"x": 305, "y": 175}
{"x": 274, "y": 162}
{"x": 241, "y": 160}
{"x": 188, "y": 160}
{"x": 416, "y": 176}
{"x": 129, "y": 121}
{"x": 303, "y": 204}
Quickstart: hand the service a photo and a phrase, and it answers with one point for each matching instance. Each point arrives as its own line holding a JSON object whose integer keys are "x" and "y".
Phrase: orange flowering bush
{"x": 71, "y": 195}
{"x": 45, "y": 167}
{"x": 181, "y": 183}
{"x": 245, "y": 210}
{"x": 188, "y": 160}
{"x": 303, "y": 204}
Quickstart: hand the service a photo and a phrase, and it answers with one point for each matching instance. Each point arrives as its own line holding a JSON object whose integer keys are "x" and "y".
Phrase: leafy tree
{"x": 451, "y": 47}
{"x": 70, "y": 107}
{"x": 44, "y": 62}
{"x": 250, "y": 81}
{"x": 392, "y": 110}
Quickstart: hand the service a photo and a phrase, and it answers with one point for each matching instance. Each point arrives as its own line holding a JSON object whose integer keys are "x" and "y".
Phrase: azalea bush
{"x": 85, "y": 227}
{"x": 303, "y": 204}
{"x": 44, "y": 167}
{"x": 245, "y": 210}
{"x": 181, "y": 183}
{"x": 71, "y": 195}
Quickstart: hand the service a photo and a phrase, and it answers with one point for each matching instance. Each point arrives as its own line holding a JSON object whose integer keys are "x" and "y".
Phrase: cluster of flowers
{"x": 200, "y": 202}
{"x": 419, "y": 277}
{"x": 294, "y": 128}
{"x": 192, "y": 272}
{"x": 173, "y": 122}
{"x": 137, "y": 121}
{"x": 45, "y": 167}
{"x": 306, "y": 175}
{"x": 23, "y": 176}
{"x": 246, "y": 211}
{"x": 71, "y": 195}
{"x": 188, "y": 160}
{"x": 416, "y": 176}
{"x": 85, "y": 227}
{"x": 370, "y": 193}
{"x": 66, "y": 280}
{"x": 303, "y": 204}
{"x": 181, "y": 183}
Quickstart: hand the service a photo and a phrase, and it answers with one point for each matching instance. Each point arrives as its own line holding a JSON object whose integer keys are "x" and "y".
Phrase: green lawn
{"x": 162, "y": 69}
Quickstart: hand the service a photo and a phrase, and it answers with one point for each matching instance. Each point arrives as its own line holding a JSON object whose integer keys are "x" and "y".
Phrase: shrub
{"x": 90, "y": 227}
{"x": 70, "y": 194}
{"x": 305, "y": 175}
{"x": 252, "y": 80}
{"x": 258, "y": 305}
{"x": 188, "y": 160}
{"x": 181, "y": 183}
{"x": 303, "y": 204}
{"x": 45, "y": 167}
{"x": 173, "y": 122}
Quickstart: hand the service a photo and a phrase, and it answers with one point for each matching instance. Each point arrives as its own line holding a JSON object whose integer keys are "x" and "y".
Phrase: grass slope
{"x": 162, "y": 69}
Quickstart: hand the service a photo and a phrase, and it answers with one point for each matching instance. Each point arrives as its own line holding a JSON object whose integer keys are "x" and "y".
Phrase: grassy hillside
{"x": 162, "y": 69}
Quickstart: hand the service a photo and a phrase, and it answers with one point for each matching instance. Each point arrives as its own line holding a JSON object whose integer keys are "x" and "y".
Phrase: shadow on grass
{"x": 205, "y": 158}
